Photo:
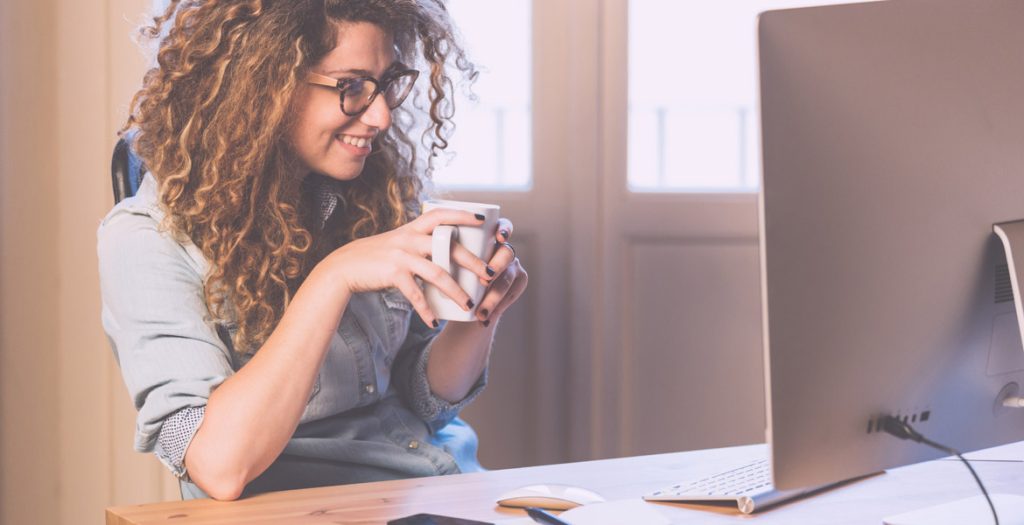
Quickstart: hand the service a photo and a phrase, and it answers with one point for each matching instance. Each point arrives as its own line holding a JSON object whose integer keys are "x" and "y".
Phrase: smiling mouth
{"x": 359, "y": 142}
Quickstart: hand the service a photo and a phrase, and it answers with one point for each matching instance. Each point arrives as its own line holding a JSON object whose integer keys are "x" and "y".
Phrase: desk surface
{"x": 472, "y": 495}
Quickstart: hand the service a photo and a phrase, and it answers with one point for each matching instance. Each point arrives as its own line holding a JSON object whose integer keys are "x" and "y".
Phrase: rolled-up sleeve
{"x": 156, "y": 319}
{"x": 410, "y": 376}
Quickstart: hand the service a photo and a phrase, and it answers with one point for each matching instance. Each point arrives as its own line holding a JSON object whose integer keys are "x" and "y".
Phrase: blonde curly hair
{"x": 211, "y": 120}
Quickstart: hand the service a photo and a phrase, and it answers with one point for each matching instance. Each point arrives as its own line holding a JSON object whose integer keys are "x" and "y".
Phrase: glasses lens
{"x": 399, "y": 88}
{"x": 356, "y": 96}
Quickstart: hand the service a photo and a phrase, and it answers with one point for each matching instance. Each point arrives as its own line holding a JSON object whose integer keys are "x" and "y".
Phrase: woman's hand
{"x": 395, "y": 258}
{"x": 510, "y": 277}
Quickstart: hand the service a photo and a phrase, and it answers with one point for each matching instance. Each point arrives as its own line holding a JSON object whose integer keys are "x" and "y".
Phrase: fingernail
{"x": 487, "y": 323}
{"x": 484, "y": 312}
{"x": 504, "y": 234}
{"x": 435, "y": 323}
{"x": 480, "y": 217}
{"x": 490, "y": 271}
{"x": 469, "y": 303}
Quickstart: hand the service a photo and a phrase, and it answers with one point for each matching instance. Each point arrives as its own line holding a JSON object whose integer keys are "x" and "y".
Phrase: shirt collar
{"x": 328, "y": 194}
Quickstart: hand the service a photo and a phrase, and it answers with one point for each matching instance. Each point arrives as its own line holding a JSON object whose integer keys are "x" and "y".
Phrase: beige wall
{"x": 28, "y": 264}
{"x": 67, "y": 69}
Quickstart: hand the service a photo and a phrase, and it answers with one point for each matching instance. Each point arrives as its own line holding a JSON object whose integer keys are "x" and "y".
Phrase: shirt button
{"x": 414, "y": 444}
{"x": 370, "y": 389}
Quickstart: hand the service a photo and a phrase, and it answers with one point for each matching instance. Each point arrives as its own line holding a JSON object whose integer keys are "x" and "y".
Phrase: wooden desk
{"x": 473, "y": 495}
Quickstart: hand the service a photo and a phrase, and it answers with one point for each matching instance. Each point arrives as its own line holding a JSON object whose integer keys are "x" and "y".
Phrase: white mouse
{"x": 550, "y": 496}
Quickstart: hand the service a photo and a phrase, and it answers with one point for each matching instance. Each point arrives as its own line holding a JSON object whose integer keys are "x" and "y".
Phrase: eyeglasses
{"x": 358, "y": 93}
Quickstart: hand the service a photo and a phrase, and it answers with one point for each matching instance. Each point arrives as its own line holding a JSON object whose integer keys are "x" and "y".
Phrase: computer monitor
{"x": 893, "y": 141}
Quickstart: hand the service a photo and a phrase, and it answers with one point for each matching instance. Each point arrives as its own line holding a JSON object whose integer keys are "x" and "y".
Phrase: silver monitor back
{"x": 893, "y": 139}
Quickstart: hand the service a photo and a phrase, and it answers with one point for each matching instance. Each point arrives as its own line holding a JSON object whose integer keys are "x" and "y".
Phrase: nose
{"x": 378, "y": 115}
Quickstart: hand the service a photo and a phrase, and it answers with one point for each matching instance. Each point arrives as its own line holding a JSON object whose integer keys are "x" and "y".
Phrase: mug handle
{"x": 441, "y": 246}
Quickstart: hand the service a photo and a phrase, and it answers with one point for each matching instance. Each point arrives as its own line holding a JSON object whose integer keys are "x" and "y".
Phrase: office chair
{"x": 126, "y": 169}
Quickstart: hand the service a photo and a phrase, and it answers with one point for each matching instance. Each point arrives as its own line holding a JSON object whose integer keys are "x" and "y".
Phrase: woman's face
{"x": 326, "y": 140}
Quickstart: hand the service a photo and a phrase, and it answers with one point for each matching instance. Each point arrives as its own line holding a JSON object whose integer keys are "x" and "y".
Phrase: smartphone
{"x": 434, "y": 519}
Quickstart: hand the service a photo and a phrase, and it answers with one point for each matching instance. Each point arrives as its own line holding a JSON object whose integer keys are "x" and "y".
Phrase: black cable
{"x": 903, "y": 430}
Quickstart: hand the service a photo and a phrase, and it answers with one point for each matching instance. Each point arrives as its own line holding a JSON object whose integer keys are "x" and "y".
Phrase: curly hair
{"x": 211, "y": 120}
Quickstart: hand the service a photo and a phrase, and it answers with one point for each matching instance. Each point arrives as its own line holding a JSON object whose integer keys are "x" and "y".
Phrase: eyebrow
{"x": 364, "y": 73}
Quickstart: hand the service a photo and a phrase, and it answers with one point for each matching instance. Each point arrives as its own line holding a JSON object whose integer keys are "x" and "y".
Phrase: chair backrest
{"x": 126, "y": 169}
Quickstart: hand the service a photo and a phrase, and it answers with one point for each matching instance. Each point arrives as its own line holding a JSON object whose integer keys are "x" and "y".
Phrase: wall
{"x": 29, "y": 265}
{"x": 67, "y": 70}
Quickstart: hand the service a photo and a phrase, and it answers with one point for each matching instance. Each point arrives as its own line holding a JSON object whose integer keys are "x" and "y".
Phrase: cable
{"x": 903, "y": 430}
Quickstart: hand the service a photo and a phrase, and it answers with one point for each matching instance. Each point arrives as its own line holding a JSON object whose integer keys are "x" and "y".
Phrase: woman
{"x": 260, "y": 291}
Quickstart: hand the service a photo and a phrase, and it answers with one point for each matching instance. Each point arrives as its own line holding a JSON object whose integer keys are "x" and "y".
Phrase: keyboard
{"x": 749, "y": 485}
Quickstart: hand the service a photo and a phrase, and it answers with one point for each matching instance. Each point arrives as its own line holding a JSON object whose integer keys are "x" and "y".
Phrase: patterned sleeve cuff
{"x": 176, "y": 434}
{"x": 436, "y": 411}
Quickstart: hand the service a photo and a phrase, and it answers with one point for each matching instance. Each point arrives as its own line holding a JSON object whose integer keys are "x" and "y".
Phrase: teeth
{"x": 355, "y": 141}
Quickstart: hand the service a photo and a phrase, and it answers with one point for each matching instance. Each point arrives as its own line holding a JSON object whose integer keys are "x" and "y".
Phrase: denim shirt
{"x": 371, "y": 415}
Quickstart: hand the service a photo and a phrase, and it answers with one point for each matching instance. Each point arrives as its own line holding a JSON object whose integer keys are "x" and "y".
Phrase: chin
{"x": 342, "y": 176}
{"x": 342, "y": 172}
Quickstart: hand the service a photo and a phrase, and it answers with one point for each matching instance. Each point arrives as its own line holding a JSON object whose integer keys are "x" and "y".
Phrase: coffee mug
{"x": 479, "y": 240}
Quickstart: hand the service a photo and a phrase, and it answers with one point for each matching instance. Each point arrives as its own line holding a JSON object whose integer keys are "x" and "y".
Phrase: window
{"x": 693, "y": 116}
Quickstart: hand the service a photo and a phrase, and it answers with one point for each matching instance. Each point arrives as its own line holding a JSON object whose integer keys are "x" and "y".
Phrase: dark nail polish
{"x": 480, "y": 217}
{"x": 490, "y": 271}
{"x": 487, "y": 323}
{"x": 484, "y": 312}
{"x": 504, "y": 234}
{"x": 469, "y": 303}
{"x": 435, "y": 323}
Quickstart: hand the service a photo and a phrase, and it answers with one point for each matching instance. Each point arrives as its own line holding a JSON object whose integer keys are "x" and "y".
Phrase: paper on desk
{"x": 615, "y": 513}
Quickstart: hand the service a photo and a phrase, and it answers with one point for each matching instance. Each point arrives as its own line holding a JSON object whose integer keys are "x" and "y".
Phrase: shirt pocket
{"x": 396, "y": 314}
{"x": 348, "y": 372}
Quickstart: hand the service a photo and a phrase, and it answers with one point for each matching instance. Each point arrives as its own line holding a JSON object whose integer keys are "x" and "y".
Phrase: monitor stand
{"x": 1012, "y": 235}
{"x": 1009, "y": 507}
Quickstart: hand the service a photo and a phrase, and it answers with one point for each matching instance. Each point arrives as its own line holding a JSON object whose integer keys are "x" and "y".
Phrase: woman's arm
{"x": 458, "y": 356}
{"x": 251, "y": 416}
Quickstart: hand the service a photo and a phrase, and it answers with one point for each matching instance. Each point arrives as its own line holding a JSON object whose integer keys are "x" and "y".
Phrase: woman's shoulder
{"x": 144, "y": 204}
{"x": 133, "y": 230}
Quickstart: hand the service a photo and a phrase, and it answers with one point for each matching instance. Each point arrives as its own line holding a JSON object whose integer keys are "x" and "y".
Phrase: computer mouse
{"x": 549, "y": 496}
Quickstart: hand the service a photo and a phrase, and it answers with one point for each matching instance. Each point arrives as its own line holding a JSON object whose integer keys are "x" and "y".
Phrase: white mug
{"x": 479, "y": 240}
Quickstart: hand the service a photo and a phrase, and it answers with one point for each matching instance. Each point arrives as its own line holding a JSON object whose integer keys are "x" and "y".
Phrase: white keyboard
{"x": 749, "y": 485}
